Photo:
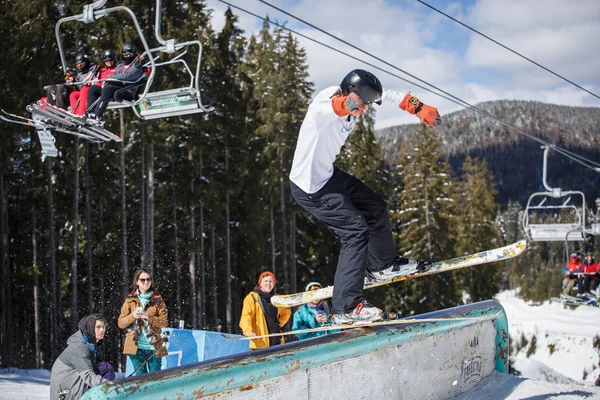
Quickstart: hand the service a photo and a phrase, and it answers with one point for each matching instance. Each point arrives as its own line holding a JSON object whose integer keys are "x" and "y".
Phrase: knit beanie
{"x": 313, "y": 284}
{"x": 266, "y": 273}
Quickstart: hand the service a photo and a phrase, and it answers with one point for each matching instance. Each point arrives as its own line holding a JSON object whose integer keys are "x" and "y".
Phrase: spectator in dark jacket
{"x": 81, "y": 365}
{"x": 126, "y": 80}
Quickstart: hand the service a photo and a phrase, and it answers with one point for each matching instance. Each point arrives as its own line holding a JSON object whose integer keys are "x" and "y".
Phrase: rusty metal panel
{"x": 420, "y": 360}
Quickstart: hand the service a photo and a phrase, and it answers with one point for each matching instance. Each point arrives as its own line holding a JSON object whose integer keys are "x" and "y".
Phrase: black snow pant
{"x": 360, "y": 218}
{"x": 58, "y": 95}
{"x": 108, "y": 93}
{"x": 94, "y": 94}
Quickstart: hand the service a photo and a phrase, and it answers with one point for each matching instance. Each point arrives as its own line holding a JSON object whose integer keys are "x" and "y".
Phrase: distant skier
{"x": 345, "y": 204}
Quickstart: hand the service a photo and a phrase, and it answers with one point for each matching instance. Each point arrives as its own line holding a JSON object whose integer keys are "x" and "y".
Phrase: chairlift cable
{"x": 574, "y": 157}
{"x": 509, "y": 49}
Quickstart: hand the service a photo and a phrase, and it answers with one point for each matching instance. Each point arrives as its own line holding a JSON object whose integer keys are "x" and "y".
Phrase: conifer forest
{"x": 203, "y": 201}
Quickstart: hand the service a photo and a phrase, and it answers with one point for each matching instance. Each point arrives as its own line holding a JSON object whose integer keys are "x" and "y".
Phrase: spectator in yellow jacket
{"x": 260, "y": 317}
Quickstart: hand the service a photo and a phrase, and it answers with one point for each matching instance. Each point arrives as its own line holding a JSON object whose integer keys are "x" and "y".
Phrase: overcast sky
{"x": 561, "y": 35}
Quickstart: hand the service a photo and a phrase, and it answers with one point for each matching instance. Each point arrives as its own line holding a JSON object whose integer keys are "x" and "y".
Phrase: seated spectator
{"x": 86, "y": 73}
{"x": 312, "y": 315}
{"x": 124, "y": 84}
{"x": 571, "y": 272}
{"x": 587, "y": 275}
{"x": 81, "y": 365}
{"x": 260, "y": 317}
{"x": 109, "y": 56}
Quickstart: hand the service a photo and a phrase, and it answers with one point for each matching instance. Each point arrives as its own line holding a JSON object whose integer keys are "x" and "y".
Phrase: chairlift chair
{"x": 573, "y": 230}
{"x": 555, "y": 232}
{"x": 151, "y": 105}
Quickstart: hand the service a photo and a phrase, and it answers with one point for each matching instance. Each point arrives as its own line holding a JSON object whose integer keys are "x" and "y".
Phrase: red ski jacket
{"x": 590, "y": 269}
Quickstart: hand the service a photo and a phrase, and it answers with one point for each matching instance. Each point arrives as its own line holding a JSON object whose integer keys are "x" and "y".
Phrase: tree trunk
{"x": 36, "y": 284}
{"x": 54, "y": 272}
{"x": 228, "y": 280}
{"x": 124, "y": 277}
{"x": 143, "y": 203}
{"x": 192, "y": 263}
{"x": 213, "y": 268}
{"x": 4, "y": 276}
{"x": 293, "y": 255}
{"x": 150, "y": 215}
{"x": 100, "y": 301}
{"x": 175, "y": 237}
{"x": 4, "y": 345}
{"x": 202, "y": 261}
{"x": 74, "y": 238}
{"x": 88, "y": 231}
{"x": 284, "y": 238}
{"x": 7, "y": 276}
{"x": 273, "y": 247}
{"x": 202, "y": 270}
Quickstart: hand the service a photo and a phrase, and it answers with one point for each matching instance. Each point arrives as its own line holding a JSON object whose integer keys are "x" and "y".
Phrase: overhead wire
{"x": 509, "y": 49}
{"x": 448, "y": 96}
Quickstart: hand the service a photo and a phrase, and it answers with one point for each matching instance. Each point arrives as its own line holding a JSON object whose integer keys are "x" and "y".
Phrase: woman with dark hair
{"x": 143, "y": 315}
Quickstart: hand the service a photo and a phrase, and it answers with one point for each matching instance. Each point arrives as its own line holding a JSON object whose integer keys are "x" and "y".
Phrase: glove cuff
{"x": 339, "y": 106}
{"x": 411, "y": 104}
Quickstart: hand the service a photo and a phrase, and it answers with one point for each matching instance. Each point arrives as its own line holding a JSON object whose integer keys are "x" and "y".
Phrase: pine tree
{"x": 424, "y": 214}
{"x": 476, "y": 228}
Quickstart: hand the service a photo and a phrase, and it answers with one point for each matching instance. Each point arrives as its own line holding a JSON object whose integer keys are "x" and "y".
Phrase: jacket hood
{"x": 87, "y": 326}
{"x": 77, "y": 337}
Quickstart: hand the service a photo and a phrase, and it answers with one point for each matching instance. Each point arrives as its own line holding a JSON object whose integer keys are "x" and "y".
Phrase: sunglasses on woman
{"x": 145, "y": 279}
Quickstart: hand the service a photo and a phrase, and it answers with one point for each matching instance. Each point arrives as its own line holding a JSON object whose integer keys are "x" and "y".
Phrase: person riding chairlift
{"x": 123, "y": 85}
{"x": 109, "y": 56}
{"x": 86, "y": 72}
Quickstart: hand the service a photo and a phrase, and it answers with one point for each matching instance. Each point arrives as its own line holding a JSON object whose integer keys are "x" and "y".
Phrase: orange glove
{"x": 348, "y": 105}
{"x": 429, "y": 115}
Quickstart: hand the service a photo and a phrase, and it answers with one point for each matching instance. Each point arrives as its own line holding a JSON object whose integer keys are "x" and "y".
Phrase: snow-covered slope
{"x": 564, "y": 340}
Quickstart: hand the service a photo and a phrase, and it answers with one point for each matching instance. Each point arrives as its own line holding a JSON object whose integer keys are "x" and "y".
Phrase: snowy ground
{"x": 21, "y": 384}
{"x": 564, "y": 351}
{"x": 559, "y": 375}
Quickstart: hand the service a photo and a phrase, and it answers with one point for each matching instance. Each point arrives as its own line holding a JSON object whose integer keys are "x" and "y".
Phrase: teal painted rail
{"x": 400, "y": 361}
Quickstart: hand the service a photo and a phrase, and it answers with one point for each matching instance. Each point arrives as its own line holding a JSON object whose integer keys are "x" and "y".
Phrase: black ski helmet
{"x": 82, "y": 58}
{"x": 131, "y": 51}
{"x": 366, "y": 86}
{"x": 109, "y": 54}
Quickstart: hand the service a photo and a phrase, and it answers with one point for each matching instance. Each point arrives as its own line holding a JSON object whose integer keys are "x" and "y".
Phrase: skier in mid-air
{"x": 358, "y": 215}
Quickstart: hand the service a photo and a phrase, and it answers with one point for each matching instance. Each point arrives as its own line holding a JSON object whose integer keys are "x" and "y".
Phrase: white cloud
{"x": 562, "y": 35}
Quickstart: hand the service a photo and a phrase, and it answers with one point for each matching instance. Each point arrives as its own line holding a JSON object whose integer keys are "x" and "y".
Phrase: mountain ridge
{"x": 514, "y": 159}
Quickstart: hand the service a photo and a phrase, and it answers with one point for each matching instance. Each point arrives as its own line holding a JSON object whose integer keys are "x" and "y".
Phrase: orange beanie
{"x": 266, "y": 273}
